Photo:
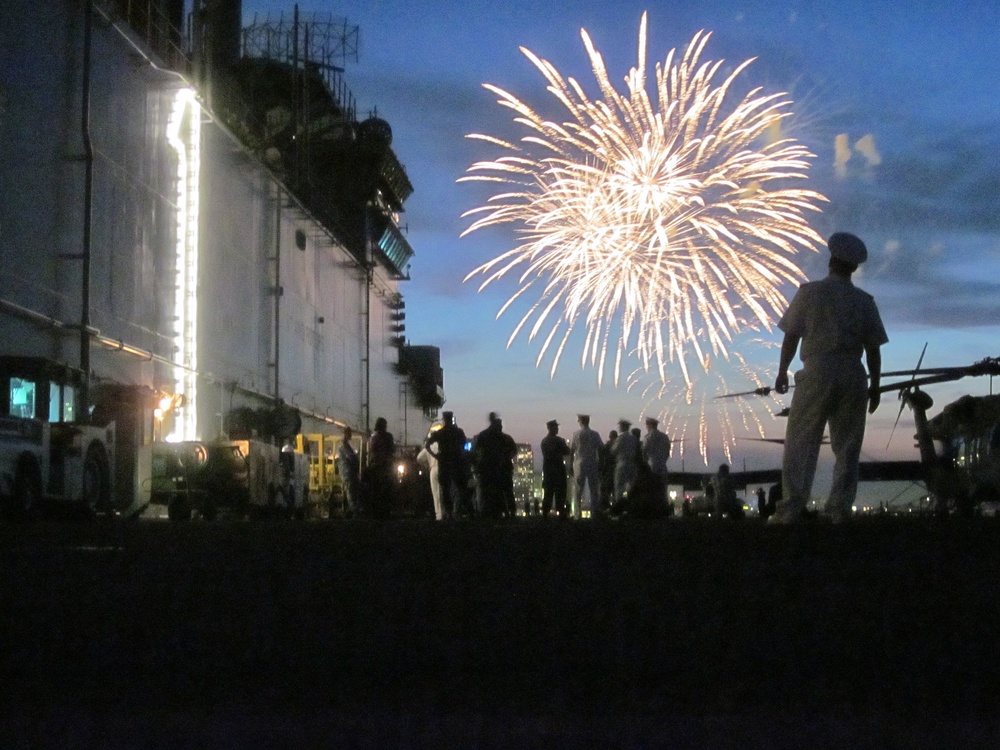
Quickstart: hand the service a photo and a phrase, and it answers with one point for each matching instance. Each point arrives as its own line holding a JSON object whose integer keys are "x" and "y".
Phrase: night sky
{"x": 908, "y": 92}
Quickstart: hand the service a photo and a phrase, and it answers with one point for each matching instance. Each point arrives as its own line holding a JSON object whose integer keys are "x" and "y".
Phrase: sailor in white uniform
{"x": 835, "y": 322}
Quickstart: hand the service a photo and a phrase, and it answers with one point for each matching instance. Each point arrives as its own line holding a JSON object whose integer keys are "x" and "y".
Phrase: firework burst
{"x": 662, "y": 225}
{"x": 694, "y": 416}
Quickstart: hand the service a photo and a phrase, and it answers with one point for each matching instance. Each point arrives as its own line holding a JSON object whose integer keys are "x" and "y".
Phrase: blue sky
{"x": 919, "y": 78}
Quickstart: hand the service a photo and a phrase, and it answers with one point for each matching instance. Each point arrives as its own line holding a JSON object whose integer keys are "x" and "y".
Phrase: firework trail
{"x": 694, "y": 416}
{"x": 663, "y": 229}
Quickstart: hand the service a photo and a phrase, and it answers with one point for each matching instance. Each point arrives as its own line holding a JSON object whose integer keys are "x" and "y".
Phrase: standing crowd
{"x": 626, "y": 474}
{"x": 623, "y": 475}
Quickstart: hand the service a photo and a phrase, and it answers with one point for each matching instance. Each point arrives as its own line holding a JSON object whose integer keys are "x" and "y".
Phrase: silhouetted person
{"x": 762, "y": 509}
{"x": 646, "y": 498}
{"x": 585, "y": 449}
{"x": 627, "y": 459}
{"x": 835, "y": 322}
{"x": 607, "y": 470}
{"x": 429, "y": 460}
{"x": 727, "y": 503}
{"x": 709, "y": 486}
{"x": 286, "y": 461}
{"x": 349, "y": 469}
{"x": 510, "y": 504}
{"x": 554, "y": 483}
{"x": 656, "y": 451}
{"x": 380, "y": 472}
{"x": 773, "y": 498}
{"x": 447, "y": 445}
{"x": 494, "y": 452}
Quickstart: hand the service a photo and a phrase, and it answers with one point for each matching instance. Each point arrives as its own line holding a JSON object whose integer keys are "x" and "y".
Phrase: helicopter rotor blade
{"x": 779, "y": 441}
{"x": 764, "y": 390}
{"x": 989, "y": 366}
{"x": 921, "y": 360}
{"x": 902, "y": 401}
{"x": 925, "y": 371}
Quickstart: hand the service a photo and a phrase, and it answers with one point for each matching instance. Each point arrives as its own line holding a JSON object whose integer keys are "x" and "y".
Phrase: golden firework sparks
{"x": 663, "y": 228}
{"x": 693, "y": 415}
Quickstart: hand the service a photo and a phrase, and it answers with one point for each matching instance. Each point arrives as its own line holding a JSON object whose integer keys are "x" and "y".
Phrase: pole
{"x": 369, "y": 280}
{"x": 277, "y": 290}
{"x": 88, "y": 203}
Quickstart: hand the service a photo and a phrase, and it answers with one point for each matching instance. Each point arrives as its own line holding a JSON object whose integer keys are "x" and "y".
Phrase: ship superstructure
{"x": 194, "y": 206}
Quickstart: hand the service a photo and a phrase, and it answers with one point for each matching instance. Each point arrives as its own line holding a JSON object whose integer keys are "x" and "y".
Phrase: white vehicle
{"x": 54, "y": 450}
{"x": 54, "y": 461}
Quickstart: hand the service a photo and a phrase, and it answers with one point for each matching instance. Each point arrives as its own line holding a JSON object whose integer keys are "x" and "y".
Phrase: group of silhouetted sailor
{"x": 474, "y": 477}
{"x": 626, "y": 475}
{"x": 369, "y": 489}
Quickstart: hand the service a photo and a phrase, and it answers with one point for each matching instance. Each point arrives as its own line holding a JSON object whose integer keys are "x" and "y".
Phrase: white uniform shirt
{"x": 626, "y": 452}
{"x": 586, "y": 448}
{"x": 832, "y": 316}
{"x": 656, "y": 451}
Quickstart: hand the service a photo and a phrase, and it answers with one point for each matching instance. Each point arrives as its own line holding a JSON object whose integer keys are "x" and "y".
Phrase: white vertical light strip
{"x": 184, "y": 136}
